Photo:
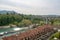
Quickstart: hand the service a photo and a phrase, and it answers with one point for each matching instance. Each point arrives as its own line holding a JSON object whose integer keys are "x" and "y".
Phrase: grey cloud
{"x": 35, "y": 6}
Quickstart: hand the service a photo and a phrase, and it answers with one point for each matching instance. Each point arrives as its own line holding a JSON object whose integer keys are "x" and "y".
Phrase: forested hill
{"x": 5, "y": 12}
{"x": 14, "y": 18}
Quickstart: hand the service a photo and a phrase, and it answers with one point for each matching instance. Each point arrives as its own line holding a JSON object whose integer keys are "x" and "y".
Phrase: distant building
{"x": 4, "y": 26}
{"x": 12, "y": 26}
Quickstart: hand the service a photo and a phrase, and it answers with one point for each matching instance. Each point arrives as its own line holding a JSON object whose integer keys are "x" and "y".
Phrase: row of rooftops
{"x": 31, "y": 33}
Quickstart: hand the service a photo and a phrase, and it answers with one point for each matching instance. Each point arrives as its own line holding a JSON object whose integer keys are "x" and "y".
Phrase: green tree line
{"x": 18, "y": 19}
{"x": 25, "y": 20}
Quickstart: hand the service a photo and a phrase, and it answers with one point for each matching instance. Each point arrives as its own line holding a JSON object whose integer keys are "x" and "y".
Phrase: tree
{"x": 25, "y": 22}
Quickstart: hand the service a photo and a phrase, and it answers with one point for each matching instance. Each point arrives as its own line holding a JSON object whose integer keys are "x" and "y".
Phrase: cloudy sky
{"x": 36, "y": 7}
